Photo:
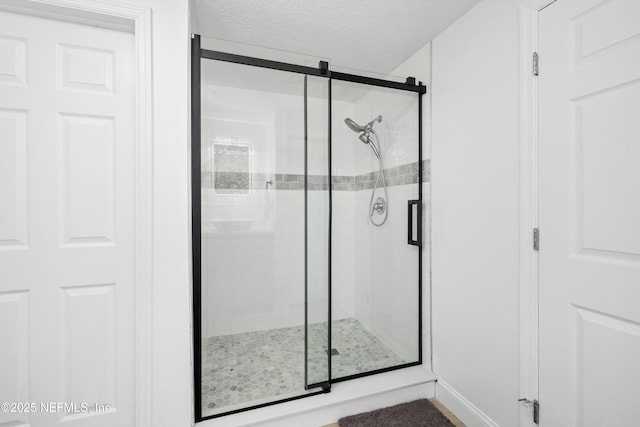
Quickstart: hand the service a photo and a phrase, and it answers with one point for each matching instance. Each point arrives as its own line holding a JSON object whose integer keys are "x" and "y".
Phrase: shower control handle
{"x": 410, "y": 209}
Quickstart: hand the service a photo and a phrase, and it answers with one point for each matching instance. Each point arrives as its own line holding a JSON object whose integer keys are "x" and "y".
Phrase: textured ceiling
{"x": 370, "y": 35}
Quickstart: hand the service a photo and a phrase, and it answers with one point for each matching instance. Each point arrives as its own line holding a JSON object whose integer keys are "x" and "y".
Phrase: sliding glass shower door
{"x": 306, "y": 188}
{"x": 255, "y": 187}
{"x": 375, "y": 259}
{"x": 318, "y": 208}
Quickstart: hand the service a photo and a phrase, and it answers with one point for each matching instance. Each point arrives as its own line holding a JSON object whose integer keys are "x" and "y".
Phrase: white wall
{"x": 171, "y": 372}
{"x": 475, "y": 210}
{"x": 253, "y": 244}
{"x": 253, "y": 277}
{"x": 386, "y": 280}
{"x": 386, "y": 283}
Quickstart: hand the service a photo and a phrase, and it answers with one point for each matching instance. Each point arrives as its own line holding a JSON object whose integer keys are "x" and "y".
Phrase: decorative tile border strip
{"x": 398, "y": 175}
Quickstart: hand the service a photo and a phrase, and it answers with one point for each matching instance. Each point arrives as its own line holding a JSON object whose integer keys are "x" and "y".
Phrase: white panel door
{"x": 589, "y": 154}
{"x": 66, "y": 224}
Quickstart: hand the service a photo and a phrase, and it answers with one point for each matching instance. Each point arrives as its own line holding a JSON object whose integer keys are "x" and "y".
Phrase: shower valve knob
{"x": 379, "y": 205}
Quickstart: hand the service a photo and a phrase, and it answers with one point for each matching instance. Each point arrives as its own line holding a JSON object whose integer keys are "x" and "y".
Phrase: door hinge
{"x": 536, "y": 239}
{"x": 536, "y": 408}
{"x": 535, "y": 63}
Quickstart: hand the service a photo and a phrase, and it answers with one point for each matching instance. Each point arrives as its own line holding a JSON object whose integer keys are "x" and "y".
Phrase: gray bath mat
{"x": 419, "y": 413}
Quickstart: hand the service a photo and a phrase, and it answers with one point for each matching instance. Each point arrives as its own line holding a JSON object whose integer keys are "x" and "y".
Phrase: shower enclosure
{"x": 307, "y": 231}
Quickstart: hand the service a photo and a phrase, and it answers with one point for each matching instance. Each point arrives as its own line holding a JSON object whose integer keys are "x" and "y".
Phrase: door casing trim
{"x": 528, "y": 345}
{"x": 528, "y": 300}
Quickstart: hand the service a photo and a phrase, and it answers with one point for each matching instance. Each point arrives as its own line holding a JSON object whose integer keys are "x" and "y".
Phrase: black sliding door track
{"x": 322, "y": 71}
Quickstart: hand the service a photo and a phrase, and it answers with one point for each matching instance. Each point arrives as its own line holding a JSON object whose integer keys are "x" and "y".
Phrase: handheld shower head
{"x": 354, "y": 126}
{"x": 381, "y": 203}
{"x": 366, "y": 129}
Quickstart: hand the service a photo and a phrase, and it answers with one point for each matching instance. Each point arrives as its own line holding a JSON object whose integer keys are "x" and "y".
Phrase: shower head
{"x": 354, "y": 126}
{"x": 366, "y": 129}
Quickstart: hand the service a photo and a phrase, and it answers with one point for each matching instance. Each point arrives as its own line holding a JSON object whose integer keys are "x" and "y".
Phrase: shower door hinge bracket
{"x": 536, "y": 239}
{"x": 535, "y": 63}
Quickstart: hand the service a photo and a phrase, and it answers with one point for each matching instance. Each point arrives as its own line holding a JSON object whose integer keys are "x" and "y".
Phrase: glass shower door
{"x": 376, "y": 202}
{"x": 252, "y": 239}
{"x": 318, "y": 207}
{"x": 306, "y": 187}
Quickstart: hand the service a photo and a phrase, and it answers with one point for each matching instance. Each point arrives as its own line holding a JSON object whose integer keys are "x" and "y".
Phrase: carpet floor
{"x": 419, "y": 413}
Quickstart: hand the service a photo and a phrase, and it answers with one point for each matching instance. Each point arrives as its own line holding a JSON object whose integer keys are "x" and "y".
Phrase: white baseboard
{"x": 466, "y": 411}
{"x": 346, "y": 398}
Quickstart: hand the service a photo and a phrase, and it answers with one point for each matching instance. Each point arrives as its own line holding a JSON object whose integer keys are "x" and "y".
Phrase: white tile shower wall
{"x": 387, "y": 278}
{"x": 289, "y": 143}
{"x": 345, "y": 147}
{"x": 252, "y": 244}
{"x": 239, "y": 308}
{"x": 318, "y": 255}
{"x": 273, "y": 123}
{"x": 253, "y": 272}
{"x": 344, "y": 275}
{"x": 274, "y": 127}
{"x": 397, "y": 132}
{"x": 418, "y": 65}
{"x": 317, "y": 130}
{"x": 253, "y": 248}
{"x": 253, "y": 275}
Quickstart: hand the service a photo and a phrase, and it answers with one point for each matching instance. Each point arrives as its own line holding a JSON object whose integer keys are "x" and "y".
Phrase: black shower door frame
{"x": 410, "y": 85}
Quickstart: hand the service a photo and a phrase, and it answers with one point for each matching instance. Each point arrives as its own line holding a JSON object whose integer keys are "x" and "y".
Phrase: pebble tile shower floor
{"x": 255, "y": 367}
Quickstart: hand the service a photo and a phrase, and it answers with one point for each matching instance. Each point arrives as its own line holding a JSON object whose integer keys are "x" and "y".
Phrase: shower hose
{"x": 374, "y": 206}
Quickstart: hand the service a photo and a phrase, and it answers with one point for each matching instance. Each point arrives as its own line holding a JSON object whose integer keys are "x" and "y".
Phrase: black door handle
{"x": 410, "y": 239}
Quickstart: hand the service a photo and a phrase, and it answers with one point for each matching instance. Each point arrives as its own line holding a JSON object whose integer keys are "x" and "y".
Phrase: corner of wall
{"x": 466, "y": 411}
